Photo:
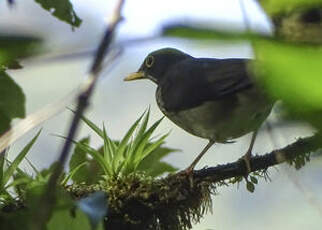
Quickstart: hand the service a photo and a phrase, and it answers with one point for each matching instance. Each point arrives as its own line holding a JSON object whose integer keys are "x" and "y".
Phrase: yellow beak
{"x": 135, "y": 76}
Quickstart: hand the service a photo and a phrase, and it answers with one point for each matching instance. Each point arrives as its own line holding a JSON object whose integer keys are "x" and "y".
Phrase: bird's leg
{"x": 248, "y": 154}
{"x": 197, "y": 159}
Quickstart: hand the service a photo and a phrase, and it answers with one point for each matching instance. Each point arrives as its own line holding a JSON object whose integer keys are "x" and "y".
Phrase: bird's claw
{"x": 188, "y": 172}
{"x": 246, "y": 158}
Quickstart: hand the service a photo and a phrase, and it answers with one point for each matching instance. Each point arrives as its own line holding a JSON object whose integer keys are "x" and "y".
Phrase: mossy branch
{"x": 290, "y": 153}
{"x": 177, "y": 201}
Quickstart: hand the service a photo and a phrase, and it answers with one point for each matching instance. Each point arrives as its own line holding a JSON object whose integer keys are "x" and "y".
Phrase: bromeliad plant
{"x": 130, "y": 154}
{"x": 8, "y": 171}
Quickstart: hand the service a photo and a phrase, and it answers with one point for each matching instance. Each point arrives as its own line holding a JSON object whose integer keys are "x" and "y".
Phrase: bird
{"x": 215, "y": 99}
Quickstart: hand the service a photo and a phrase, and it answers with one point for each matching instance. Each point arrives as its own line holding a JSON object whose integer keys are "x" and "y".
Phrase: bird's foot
{"x": 247, "y": 158}
{"x": 188, "y": 172}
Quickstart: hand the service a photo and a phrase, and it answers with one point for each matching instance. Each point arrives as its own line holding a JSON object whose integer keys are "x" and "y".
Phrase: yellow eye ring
{"x": 149, "y": 61}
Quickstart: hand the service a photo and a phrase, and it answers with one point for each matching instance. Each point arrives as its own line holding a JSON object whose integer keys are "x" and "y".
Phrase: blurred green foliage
{"x": 8, "y": 171}
{"x": 20, "y": 194}
{"x": 61, "y": 9}
{"x": 12, "y": 101}
{"x": 292, "y": 72}
{"x": 65, "y": 220}
{"x": 65, "y": 214}
{"x": 285, "y": 6}
{"x": 288, "y": 71}
{"x": 91, "y": 172}
{"x": 203, "y": 32}
{"x": 16, "y": 46}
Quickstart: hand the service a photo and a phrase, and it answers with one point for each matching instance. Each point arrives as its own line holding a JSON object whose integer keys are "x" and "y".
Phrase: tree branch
{"x": 238, "y": 168}
{"x": 174, "y": 202}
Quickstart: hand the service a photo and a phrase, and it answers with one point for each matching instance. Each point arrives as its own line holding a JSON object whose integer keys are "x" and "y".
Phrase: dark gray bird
{"x": 211, "y": 98}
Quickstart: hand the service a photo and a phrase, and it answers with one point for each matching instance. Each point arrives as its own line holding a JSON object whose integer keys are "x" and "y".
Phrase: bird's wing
{"x": 196, "y": 81}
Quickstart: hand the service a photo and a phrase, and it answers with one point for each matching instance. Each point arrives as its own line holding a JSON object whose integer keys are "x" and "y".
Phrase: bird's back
{"x": 197, "y": 80}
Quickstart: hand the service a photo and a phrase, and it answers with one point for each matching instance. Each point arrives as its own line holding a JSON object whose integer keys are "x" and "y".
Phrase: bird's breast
{"x": 221, "y": 120}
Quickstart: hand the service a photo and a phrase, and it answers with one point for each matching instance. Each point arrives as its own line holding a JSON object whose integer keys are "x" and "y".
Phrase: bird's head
{"x": 157, "y": 63}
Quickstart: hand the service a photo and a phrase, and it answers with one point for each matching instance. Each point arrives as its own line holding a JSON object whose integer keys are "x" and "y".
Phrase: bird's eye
{"x": 149, "y": 61}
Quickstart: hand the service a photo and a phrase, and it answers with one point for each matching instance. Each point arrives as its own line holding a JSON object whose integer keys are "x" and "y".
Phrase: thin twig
{"x": 84, "y": 97}
{"x": 48, "y": 199}
{"x": 86, "y": 94}
{"x": 11, "y": 3}
{"x": 244, "y": 14}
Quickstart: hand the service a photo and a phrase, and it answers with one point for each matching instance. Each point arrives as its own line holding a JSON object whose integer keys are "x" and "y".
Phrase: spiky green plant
{"x": 123, "y": 157}
{"x": 8, "y": 170}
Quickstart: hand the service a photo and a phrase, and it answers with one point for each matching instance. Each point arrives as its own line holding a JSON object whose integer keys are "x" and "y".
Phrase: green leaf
{"x": 13, "y": 64}
{"x": 138, "y": 151}
{"x": 25, "y": 178}
{"x": 4, "y": 122}
{"x": 45, "y": 173}
{"x": 273, "y": 7}
{"x": 36, "y": 171}
{"x": 250, "y": 186}
{"x": 110, "y": 150}
{"x": 97, "y": 156}
{"x": 91, "y": 172}
{"x": 14, "y": 165}
{"x": 109, "y": 147}
{"x": 17, "y": 182}
{"x": 131, "y": 152}
{"x": 206, "y": 33}
{"x": 253, "y": 180}
{"x": 16, "y": 46}
{"x": 12, "y": 101}
{"x": 78, "y": 156}
{"x": 153, "y": 165}
{"x": 72, "y": 173}
{"x": 124, "y": 142}
{"x": 94, "y": 127}
{"x": 64, "y": 220}
{"x": 61, "y": 9}
{"x": 292, "y": 73}
{"x": 14, "y": 220}
{"x": 64, "y": 215}
{"x": 149, "y": 148}
{"x": 139, "y": 135}
{"x": 12, "y": 98}
{"x": 43, "y": 207}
